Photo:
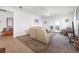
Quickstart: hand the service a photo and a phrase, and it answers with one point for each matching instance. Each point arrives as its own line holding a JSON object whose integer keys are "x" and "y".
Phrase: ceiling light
{"x": 46, "y": 13}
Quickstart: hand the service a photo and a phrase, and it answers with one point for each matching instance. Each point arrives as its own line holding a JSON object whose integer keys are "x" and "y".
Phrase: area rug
{"x": 33, "y": 44}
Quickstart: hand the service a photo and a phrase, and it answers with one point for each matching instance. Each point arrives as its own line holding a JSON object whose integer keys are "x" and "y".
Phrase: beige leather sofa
{"x": 39, "y": 34}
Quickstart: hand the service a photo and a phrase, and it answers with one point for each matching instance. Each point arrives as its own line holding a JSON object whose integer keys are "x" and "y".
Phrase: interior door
{"x": 9, "y": 22}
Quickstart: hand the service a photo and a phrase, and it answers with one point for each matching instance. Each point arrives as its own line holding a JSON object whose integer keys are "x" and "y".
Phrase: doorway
{"x": 6, "y": 23}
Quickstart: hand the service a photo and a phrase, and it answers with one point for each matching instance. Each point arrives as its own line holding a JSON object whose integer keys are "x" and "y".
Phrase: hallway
{"x": 60, "y": 44}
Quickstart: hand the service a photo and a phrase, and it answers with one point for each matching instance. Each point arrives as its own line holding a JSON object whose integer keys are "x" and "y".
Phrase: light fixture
{"x": 66, "y": 20}
{"x": 45, "y": 14}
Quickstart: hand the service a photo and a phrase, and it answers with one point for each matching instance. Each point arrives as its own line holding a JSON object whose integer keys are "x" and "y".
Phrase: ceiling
{"x": 46, "y": 11}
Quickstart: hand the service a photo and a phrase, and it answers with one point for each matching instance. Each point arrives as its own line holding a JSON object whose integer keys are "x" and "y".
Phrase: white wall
{"x": 22, "y": 21}
{"x": 3, "y": 16}
{"x": 61, "y": 20}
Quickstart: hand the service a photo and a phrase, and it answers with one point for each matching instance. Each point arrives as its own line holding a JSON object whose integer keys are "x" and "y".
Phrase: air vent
{"x": 20, "y": 7}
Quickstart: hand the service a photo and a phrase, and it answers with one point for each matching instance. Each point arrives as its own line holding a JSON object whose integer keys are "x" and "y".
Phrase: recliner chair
{"x": 39, "y": 34}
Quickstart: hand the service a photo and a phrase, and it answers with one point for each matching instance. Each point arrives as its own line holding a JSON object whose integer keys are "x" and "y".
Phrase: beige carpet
{"x": 35, "y": 45}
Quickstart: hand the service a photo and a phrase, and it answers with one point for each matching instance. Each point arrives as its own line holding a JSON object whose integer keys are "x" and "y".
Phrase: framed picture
{"x": 45, "y": 22}
{"x": 36, "y": 21}
{"x": 57, "y": 27}
{"x": 9, "y": 22}
{"x": 51, "y": 27}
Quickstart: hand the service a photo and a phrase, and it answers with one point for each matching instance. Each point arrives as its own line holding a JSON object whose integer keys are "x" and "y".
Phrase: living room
{"x": 50, "y": 22}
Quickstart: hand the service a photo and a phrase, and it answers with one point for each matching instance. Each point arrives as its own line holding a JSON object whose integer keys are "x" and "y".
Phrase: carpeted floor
{"x": 58, "y": 44}
{"x": 35, "y": 45}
